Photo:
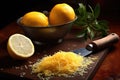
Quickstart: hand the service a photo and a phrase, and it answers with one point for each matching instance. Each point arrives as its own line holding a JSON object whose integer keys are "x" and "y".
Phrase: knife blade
{"x": 98, "y": 44}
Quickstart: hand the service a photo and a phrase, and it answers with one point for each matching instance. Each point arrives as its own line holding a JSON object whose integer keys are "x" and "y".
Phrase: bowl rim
{"x": 49, "y": 26}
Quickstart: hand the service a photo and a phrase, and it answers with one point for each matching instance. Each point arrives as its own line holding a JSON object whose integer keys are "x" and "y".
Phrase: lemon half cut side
{"x": 20, "y": 47}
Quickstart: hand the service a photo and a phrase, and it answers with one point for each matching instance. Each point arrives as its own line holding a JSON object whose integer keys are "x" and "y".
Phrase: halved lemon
{"x": 20, "y": 47}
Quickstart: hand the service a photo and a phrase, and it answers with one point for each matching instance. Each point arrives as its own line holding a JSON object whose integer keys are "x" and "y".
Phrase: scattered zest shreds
{"x": 61, "y": 64}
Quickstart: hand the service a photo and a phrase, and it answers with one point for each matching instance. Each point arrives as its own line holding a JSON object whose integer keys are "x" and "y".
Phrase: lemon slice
{"x": 20, "y": 46}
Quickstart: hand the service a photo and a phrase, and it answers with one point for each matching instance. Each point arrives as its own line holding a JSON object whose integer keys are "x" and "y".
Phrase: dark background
{"x": 11, "y": 10}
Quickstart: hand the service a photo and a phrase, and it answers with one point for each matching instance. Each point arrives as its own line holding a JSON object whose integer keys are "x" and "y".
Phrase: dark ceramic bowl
{"x": 46, "y": 35}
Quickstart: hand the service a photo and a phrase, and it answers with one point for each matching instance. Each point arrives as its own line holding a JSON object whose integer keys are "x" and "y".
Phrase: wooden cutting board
{"x": 15, "y": 69}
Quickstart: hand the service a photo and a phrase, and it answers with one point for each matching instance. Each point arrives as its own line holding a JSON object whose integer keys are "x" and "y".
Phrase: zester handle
{"x": 103, "y": 42}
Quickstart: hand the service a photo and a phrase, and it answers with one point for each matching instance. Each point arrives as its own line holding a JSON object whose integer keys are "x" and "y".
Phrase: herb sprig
{"x": 88, "y": 21}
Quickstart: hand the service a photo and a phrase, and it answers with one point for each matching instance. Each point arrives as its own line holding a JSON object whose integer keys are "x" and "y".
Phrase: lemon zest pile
{"x": 61, "y": 64}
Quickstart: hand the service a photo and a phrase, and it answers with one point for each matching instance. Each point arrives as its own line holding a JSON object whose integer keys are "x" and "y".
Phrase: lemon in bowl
{"x": 50, "y": 32}
{"x": 34, "y": 18}
{"x": 61, "y": 13}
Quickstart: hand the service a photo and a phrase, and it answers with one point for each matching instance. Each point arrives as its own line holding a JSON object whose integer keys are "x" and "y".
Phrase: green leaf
{"x": 96, "y": 25}
{"x": 81, "y": 33}
{"x": 88, "y": 29}
{"x": 82, "y": 9}
{"x": 97, "y": 11}
{"x": 80, "y": 21}
{"x": 92, "y": 34}
{"x": 91, "y": 9}
{"x": 81, "y": 14}
{"x": 103, "y": 23}
{"x": 90, "y": 17}
{"x": 92, "y": 27}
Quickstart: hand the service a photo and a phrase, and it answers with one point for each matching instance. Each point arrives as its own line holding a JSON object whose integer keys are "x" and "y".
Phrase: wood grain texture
{"x": 110, "y": 68}
{"x": 107, "y": 65}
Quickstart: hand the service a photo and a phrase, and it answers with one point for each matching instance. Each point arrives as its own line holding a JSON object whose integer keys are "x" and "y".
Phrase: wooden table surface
{"x": 110, "y": 67}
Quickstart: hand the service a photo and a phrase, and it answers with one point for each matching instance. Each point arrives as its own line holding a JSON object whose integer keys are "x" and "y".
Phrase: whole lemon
{"x": 61, "y": 13}
{"x": 34, "y": 19}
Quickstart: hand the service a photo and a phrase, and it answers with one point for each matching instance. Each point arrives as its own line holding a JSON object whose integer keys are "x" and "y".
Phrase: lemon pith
{"x": 20, "y": 47}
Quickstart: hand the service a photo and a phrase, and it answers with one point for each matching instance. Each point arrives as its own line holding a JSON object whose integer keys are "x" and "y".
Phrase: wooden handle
{"x": 103, "y": 42}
